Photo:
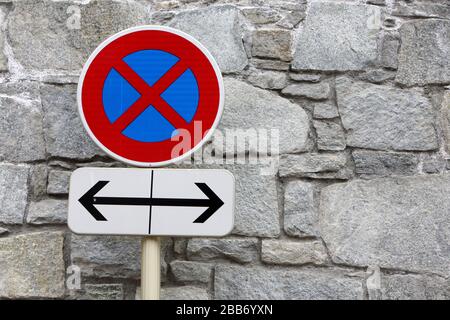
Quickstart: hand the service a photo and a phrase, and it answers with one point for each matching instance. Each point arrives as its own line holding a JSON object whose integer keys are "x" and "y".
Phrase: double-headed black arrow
{"x": 89, "y": 200}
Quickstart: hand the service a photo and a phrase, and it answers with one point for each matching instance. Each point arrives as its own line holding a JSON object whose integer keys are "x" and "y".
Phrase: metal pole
{"x": 150, "y": 268}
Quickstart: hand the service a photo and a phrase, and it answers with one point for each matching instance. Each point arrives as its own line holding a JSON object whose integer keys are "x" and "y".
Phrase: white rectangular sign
{"x": 162, "y": 202}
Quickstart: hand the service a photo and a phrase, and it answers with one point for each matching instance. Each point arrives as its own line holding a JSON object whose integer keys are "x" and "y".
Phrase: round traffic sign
{"x": 147, "y": 89}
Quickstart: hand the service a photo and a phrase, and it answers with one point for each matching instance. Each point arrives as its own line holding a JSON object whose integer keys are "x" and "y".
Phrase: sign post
{"x": 150, "y": 268}
{"x": 140, "y": 93}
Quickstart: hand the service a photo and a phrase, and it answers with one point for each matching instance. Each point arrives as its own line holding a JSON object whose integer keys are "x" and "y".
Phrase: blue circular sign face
{"x": 150, "y": 65}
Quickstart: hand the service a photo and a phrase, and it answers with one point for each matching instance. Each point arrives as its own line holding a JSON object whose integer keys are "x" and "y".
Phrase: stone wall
{"x": 358, "y": 206}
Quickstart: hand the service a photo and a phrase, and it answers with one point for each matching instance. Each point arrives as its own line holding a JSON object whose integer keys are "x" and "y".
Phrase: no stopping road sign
{"x": 145, "y": 87}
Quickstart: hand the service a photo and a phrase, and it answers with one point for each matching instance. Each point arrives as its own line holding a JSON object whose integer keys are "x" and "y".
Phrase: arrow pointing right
{"x": 214, "y": 203}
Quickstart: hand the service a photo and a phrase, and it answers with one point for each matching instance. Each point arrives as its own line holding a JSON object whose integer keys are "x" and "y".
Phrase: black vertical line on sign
{"x": 150, "y": 210}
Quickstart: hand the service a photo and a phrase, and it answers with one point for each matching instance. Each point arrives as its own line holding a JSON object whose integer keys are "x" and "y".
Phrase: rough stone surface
{"x": 338, "y": 36}
{"x": 223, "y": 20}
{"x": 391, "y": 222}
{"x": 260, "y": 283}
{"x": 48, "y": 211}
{"x": 272, "y": 43}
{"x": 293, "y": 253}
{"x": 305, "y": 77}
{"x": 377, "y": 163}
{"x": 186, "y": 271}
{"x": 3, "y": 231}
{"x": 414, "y": 287}
{"x": 184, "y": 293}
{"x": 389, "y": 51}
{"x": 271, "y": 64}
{"x": 300, "y": 214}
{"x": 21, "y": 130}
{"x": 75, "y": 30}
{"x": 58, "y": 182}
{"x": 268, "y": 80}
{"x": 106, "y": 256}
{"x": 424, "y": 53}
{"x": 180, "y": 245}
{"x": 112, "y": 256}
{"x": 325, "y": 111}
{"x": 38, "y": 181}
{"x": 13, "y": 193}
{"x": 237, "y": 250}
{"x": 180, "y": 293}
{"x": 64, "y": 134}
{"x": 377, "y": 75}
{"x": 32, "y": 266}
{"x": 261, "y": 15}
{"x": 442, "y": 102}
{"x": 305, "y": 164}
{"x": 384, "y": 118}
{"x": 330, "y": 136}
{"x": 319, "y": 91}
{"x": 292, "y": 19}
{"x": 421, "y": 9}
{"x": 250, "y": 107}
{"x": 3, "y": 57}
{"x": 256, "y": 203}
{"x": 103, "y": 292}
{"x": 433, "y": 164}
